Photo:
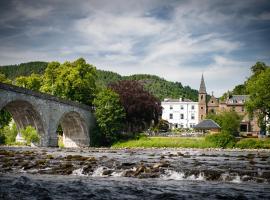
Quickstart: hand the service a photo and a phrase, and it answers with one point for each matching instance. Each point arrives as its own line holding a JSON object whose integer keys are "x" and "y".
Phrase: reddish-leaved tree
{"x": 142, "y": 108}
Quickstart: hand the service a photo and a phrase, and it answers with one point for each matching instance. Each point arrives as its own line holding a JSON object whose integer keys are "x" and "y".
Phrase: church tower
{"x": 202, "y": 100}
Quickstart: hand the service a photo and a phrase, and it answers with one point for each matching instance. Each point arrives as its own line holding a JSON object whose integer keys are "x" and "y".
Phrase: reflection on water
{"x": 49, "y": 173}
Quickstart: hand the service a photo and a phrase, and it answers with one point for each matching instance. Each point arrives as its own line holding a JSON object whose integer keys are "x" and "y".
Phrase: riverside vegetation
{"x": 133, "y": 102}
{"x": 211, "y": 141}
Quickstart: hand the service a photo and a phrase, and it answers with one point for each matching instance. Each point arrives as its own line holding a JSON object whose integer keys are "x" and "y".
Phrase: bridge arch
{"x": 24, "y": 114}
{"x": 75, "y": 130}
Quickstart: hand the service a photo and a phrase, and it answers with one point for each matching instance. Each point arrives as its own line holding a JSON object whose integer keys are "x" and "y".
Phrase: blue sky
{"x": 177, "y": 40}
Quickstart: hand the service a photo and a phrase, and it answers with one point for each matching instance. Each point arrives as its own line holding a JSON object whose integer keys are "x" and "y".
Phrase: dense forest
{"x": 159, "y": 87}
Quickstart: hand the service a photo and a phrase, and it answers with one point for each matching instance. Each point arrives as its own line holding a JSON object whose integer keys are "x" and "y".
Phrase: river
{"x": 89, "y": 173}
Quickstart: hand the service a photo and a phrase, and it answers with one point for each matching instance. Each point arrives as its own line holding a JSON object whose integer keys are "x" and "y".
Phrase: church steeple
{"x": 202, "y": 100}
{"x": 202, "y": 86}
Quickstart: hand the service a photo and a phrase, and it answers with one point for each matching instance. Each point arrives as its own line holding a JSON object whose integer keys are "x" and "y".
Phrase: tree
{"x": 5, "y": 117}
{"x": 239, "y": 90}
{"x": 30, "y": 135}
{"x": 109, "y": 113}
{"x": 32, "y": 82}
{"x": 258, "y": 87}
{"x": 49, "y": 77}
{"x": 141, "y": 108}
{"x": 3, "y": 79}
{"x": 9, "y": 132}
{"x": 229, "y": 121}
{"x": 71, "y": 80}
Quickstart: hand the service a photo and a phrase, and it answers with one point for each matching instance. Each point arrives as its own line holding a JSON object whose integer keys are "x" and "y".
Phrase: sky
{"x": 175, "y": 39}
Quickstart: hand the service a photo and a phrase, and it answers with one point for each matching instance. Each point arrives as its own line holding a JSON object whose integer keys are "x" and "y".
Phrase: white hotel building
{"x": 180, "y": 113}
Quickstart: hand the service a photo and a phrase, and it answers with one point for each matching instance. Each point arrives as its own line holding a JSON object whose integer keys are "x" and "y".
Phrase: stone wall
{"x": 45, "y": 112}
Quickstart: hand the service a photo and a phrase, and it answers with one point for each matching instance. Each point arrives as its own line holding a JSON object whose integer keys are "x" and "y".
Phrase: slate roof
{"x": 207, "y": 124}
{"x": 202, "y": 86}
{"x": 177, "y": 100}
{"x": 237, "y": 99}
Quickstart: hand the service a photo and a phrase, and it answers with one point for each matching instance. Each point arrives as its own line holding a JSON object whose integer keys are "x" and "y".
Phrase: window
{"x": 201, "y": 108}
{"x": 171, "y": 116}
{"x": 243, "y": 109}
{"x": 181, "y": 125}
{"x": 192, "y": 116}
{"x": 212, "y": 101}
{"x": 182, "y": 107}
{"x": 212, "y": 111}
{"x": 201, "y": 116}
{"x": 171, "y": 107}
{"x": 182, "y": 116}
{"x": 233, "y": 108}
{"x": 201, "y": 97}
{"x": 176, "y": 126}
{"x": 192, "y": 107}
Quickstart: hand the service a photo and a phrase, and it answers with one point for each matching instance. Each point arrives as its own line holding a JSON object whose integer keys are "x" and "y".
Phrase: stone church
{"x": 234, "y": 102}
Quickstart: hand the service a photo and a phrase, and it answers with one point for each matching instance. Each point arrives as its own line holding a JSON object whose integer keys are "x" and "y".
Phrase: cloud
{"x": 31, "y": 12}
{"x": 177, "y": 40}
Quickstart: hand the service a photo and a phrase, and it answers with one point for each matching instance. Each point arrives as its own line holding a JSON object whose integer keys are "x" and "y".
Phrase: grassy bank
{"x": 198, "y": 142}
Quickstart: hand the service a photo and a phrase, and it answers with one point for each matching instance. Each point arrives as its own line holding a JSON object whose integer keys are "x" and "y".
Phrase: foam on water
{"x": 236, "y": 179}
{"x": 173, "y": 175}
{"x": 99, "y": 172}
{"x": 78, "y": 172}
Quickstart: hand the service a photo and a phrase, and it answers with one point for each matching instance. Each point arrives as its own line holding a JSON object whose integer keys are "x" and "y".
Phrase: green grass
{"x": 253, "y": 143}
{"x": 196, "y": 142}
{"x": 164, "y": 142}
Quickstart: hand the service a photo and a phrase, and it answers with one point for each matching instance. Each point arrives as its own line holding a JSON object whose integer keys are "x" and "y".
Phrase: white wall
{"x": 187, "y": 109}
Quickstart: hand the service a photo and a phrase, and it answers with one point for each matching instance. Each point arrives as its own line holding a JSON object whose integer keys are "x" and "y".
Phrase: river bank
{"x": 153, "y": 173}
{"x": 191, "y": 142}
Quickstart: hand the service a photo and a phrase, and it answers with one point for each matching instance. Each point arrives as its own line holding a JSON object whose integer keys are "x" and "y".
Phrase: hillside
{"x": 159, "y": 87}
{"x": 23, "y": 69}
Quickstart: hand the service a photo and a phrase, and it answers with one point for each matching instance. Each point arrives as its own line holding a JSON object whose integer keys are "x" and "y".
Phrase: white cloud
{"x": 128, "y": 37}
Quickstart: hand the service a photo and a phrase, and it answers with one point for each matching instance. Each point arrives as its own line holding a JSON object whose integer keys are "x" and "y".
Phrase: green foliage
{"x": 9, "y": 133}
{"x": 4, "y": 79}
{"x": 153, "y": 84}
{"x": 162, "y": 126}
{"x": 60, "y": 141}
{"x": 2, "y": 137}
{"x": 253, "y": 143}
{"x": 5, "y": 118}
{"x": 71, "y": 80}
{"x": 221, "y": 140}
{"x": 229, "y": 121}
{"x": 24, "y": 69}
{"x": 109, "y": 113}
{"x": 258, "y": 87}
{"x": 240, "y": 90}
{"x": 30, "y": 135}
{"x": 104, "y": 78}
{"x": 160, "y": 142}
{"x": 32, "y": 82}
{"x": 162, "y": 88}
{"x": 49, "y": 78}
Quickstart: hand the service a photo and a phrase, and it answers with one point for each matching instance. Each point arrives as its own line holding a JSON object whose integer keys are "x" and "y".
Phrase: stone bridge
{"x": 45, "y": 113}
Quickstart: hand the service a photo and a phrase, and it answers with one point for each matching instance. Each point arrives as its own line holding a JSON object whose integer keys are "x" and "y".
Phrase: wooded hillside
{"x": 159, "y": 87}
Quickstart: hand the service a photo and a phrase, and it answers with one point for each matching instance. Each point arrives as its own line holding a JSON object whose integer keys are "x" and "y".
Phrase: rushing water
{"x": 49, "y": 173}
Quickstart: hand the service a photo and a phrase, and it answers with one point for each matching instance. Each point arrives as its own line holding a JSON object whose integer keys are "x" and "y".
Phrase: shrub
{"x": 253, "y": 143}
{"x": 60, "y": 142}
{"x": 30, "y": 135}
{"x": 2, "y": 137}
{"x": 9, "y": 134}
{"x": 222, "y": 140}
